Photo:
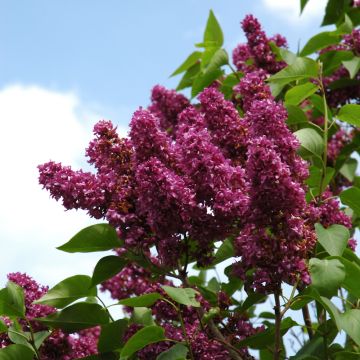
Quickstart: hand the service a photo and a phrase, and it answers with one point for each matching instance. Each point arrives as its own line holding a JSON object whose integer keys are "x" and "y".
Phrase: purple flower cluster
{"x": 167, "y": 105}
{"x": 257, "y": 53}
{"x": 164, "y": 188}
{"x": 59, "y": 345}
{"x": 275, "y": 239}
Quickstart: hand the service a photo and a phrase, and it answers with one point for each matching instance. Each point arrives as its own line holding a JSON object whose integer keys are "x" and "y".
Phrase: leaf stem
{"x": 325, "y": 132}
{"x": 277, "y": 344}
{"x": 32, "y": 341}
{"x": 106, "y": 308}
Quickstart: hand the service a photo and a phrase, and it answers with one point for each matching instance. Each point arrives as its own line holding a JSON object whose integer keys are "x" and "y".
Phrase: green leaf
{"x": 106, "y": 268}
{"x": 203, "y": 80}
{"x": 350, "y": 113}
{"x": 333, "y": 12}
{"x": 352, "y": 276}
{"x": 16, "y": 352}
{"x": 142, "y": 316}
{"x": 12, "y": 300}
{"x": 213, "y": 34}
{"x": 189, "y": 76}
{"x": 146, "y": 300}
{"x": 333, "y": 59}
{"x": 319, "y": 41}
{"x": 346, "y": 27}
{"x": 192, "y": 59}
{"x": 315, "y": 178}
{"x": 225, "y": 251}
{"x": 77, "y": 317}
{"x": 3, "y": 327}
{"x": 99, "y": 237}
{"x": 310, "y": 293}
{"x": 326, "y": 275}
{"x": 299, "y": 93}
{"x": 302, "y": 5}
{"x": 295, "y": 115}
{"x": 315, "y": 346}
{"x": 111, "y": 336}
{"x": 351, "y": 197}
{"x": 352, "y": 66}
{"x": 227, "y": 85}
{"x": 318, "y": 103}
{"x": 311, "y": 142}
{"x": 145, "y": 336}
{"x": 40, "y": 337}
{"x": 18, "y": 336}
{"x": 346, "y": 355}
{"x": 184, "y": 296}
{"x": 219, "y": 59}
{"x": 265, "y": 338}
{"x": 302, "y": 68}
{"x": 176, "y": 352}
{"x": 253, "y": 298}
{"x": 350, "y": 323}
{"x": 333, "y": 239}
{"x": 348, "y": 170}
{"x": 67, "y": 291}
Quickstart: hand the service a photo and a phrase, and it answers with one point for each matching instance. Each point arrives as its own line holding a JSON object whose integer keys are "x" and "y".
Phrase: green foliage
{"x": 299, "y": 93}
{"x": 106, "y": 268}
{"x": 350, "y": 113}
{"x": 333, "y": 239}
{"x": 351, "y": 198}
{"x": 326, "y": 275}
{"x": 67, "y": 291}
{"x": 312, "y": 144}
{"x": 111, "y": 336}
{"x": 184, "y": 296}
{"x": 176, "y": 352}
{"x": 142, "y": 300}
{"x": 99, "y": 237}
{"x": 12, "y": 301}
{"x": 145, "y": 336}
{"x": 77, "y": 317}
{"x": 16, "y": 352}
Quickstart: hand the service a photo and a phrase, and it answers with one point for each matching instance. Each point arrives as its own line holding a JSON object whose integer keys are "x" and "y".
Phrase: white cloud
{"x": 38, "y": 125}
{"x": 290, "y": 9}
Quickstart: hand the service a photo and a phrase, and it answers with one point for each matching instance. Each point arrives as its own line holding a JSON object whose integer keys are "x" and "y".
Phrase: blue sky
{"x": 64, "y": 65}
{"x": 112, "y": 52}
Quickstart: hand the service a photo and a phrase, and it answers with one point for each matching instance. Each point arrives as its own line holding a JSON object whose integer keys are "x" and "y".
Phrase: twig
{"x": 277, "y": 345}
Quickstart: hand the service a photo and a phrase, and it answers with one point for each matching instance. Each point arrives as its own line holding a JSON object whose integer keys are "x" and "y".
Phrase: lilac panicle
{"x": 275, "y": 240}
{"x": 224, "y": 123}
{"x": 257, "y": 53}
{"x": 77, "y": 189}
{"x": 164, "y": 199}
{"x": 167, "y": 105}
{"x": 148, "y": 139}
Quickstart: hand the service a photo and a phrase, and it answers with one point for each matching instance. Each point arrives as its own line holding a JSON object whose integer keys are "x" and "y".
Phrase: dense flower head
{"x": 77, "y": 189}
{"x": 164, "y": 198}
{"x": 167, "y": 105}
{"x": 336, "y": 144}
{"x": 224, "y": 123}
{"x": 275, "y": 239}
{"x": 148, "y": 139}
{"x": 108, "y": 152}
{"x": 328, "y": 212}
{"x": 352, "y": 40}
{"x": 257, "y": 53}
